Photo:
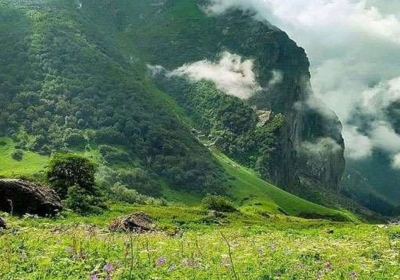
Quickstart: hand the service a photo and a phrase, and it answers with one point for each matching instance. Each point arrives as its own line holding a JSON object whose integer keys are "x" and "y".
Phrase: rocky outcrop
{"x": 22, "y": 197}
{"x": 137, "y": 222}
{"x": 310, "y": 144}
{"x": 3, "y": 224}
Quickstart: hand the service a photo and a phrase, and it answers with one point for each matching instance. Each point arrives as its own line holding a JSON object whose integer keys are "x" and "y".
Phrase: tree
{"x": 72, "y": 177}
{"x": 67, "y": 170}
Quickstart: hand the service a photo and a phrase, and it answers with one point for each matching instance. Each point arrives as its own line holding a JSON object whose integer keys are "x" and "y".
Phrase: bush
{"x": 113, "y": 155}
{"x": 75, "y": 139}
{"x": 17, "y": 155}
{"x": 140, "y": 180}
{"x": 120, "y": 192}
{"x": 67, "y": 170}
{"x": 217, "y": 203}
{"x": 80, "y": 201}
{"x": 72, "y": 177}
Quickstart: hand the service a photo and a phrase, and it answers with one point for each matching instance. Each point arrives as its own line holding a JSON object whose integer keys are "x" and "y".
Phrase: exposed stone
{"x": 263, "y": 117}
{"x": 3, "y": 224}
{"x": 22, "y": 197}
{"x": 216, "y": 214}
{"x": 137, "y": 222}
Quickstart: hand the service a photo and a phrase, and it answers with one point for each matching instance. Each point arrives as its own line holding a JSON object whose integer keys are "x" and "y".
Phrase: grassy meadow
{"x": 189, "y": 244}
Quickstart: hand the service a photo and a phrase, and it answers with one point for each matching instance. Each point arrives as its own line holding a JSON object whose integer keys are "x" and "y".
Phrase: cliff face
{"x": 310, "y": 145}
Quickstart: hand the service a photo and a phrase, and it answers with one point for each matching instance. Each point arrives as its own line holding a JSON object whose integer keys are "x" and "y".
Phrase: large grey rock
{"x": 137, "y": 222}
{"x": 21, "y": 197}
{"x": 3, "y": 224}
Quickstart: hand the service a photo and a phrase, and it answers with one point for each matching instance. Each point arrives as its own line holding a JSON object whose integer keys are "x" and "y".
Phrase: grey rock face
{"x": 21, "y": 197}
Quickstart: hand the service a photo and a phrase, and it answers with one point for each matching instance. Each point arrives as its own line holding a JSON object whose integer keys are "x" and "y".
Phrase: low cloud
{"x": 231, "y": 74}
{"x": 358, "y": 145}
{"x": 277, "y": 78}
{"x": 353, "y": 47}
{"x": 396, "y": 162}
{"x": 320, "y": 147}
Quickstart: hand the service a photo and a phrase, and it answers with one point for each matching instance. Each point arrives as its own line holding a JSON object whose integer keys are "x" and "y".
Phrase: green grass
{"x": 31, "y": 163}
{"x": 259, "y": 195}
{"x": 244, "y": 247}
{"x": 248, "y": 191}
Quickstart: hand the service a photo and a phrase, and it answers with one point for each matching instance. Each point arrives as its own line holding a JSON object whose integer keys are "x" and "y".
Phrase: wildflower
{"x": 328, "y": 266}
{"x": 261, "y": 250}
{"x": 94, "y": 277}
{"x": 353, "y": 275}
{"x": 161, "y": 261}
{"x": 69, "y": 250}
{"x": 24, "y": 256}
{"x": 187, "y": 262}
{"x": 172, "y": 267}
{"x": 108, "y": 267}
{"x": 108, "y": 278}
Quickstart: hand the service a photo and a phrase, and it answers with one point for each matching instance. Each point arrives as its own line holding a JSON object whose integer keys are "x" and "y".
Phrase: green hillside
{"x": 162, "y": 176}
{"x": 251, "y": 193}
{"x": 74, "y": 78}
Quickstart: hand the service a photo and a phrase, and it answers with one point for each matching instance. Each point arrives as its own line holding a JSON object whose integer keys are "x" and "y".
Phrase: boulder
{"x": 3, "y": 224}
{"x": 137, "y": 222}
{"x": 22, "y": 197}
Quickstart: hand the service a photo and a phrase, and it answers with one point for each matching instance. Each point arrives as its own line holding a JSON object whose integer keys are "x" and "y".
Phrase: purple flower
{"x": 108, "y": 278}
{"x": 108, "y": 267}
{"x": 353, "y": 275}
{"x": 94, "y": 277}
{"x": 328, "y": 266}
{"x": 161, "y": 261}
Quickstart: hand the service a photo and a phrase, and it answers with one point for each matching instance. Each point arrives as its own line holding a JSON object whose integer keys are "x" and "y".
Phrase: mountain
{"x": 145, "y": 88}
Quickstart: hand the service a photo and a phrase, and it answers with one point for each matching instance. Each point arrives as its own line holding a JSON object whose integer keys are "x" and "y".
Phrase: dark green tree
{"x": 67, "y": 170}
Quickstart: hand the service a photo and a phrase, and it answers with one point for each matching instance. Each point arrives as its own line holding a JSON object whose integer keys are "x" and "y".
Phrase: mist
{"x": 354, "y": 51}
{"x": 231, "y": 74}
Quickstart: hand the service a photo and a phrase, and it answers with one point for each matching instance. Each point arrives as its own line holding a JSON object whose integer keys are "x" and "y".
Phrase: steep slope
{"x": 309, "y": 145}
{"x": 65, "y": 86}
{"x": 74, "y": 75}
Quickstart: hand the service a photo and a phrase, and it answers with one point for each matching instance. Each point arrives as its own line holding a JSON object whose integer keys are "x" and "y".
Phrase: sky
{"x": 354, "y": 50}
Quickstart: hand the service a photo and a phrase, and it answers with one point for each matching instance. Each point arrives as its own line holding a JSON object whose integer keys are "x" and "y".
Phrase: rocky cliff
{"x": 310, "y": 145}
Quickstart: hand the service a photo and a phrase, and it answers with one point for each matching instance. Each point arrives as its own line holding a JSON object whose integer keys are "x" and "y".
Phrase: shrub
{"x": 113, "y": 155}
{"x": 140, "y": 180}
{"x": 72, "y": 177}
{"x": 17, "y": 155}
{"x": 75, "y": 139}
{"x": 120, "y": 192}
{"x": 67, "y": 170}
{"x": 217, "y": 203}
{"x": 80, "y": 201}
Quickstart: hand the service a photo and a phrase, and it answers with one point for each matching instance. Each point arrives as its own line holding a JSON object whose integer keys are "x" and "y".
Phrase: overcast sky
{"x": 354, "y": 50}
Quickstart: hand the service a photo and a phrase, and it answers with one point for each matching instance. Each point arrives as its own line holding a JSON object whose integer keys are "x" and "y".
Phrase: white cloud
{"x": 231, "y": 74}
{"x": 396, "y": 161}
{"x": 358, "y": 146}
{"x": 354, "y": 50}
{"x": 320, "y": 147}
{"x": 384, "y": 137}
